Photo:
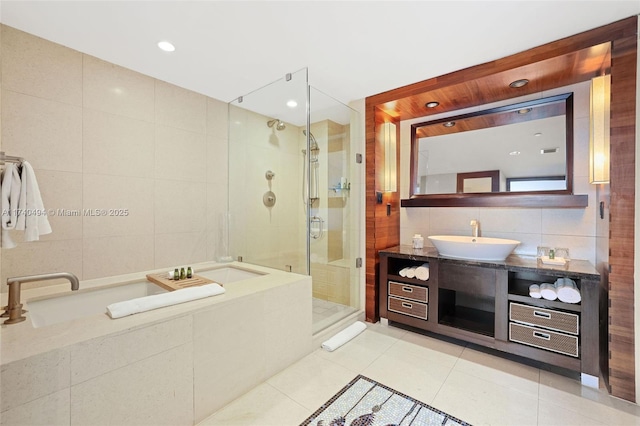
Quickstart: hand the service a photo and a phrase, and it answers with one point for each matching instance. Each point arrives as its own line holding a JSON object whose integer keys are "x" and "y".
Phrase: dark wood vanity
{"x": 487, "y": 303}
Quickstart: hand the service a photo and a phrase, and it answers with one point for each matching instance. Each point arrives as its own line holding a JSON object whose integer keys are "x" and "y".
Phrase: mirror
{"x": 523, "y": 148}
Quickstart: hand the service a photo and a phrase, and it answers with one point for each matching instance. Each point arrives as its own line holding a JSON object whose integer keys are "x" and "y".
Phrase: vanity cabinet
{"x": 488, "y": 303}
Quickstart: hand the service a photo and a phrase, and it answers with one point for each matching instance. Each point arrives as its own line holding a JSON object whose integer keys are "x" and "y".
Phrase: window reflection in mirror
{"x": 526, "y": 146}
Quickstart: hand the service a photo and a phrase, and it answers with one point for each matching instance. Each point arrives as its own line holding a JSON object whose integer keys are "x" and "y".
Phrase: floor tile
{"x": 312, "y": 381}
{"x": 409, "y": 374}
{"x": 262, "y": 406}
{"x": 556, "y": 415}
{"x": 499, "y": 370}
{"x": 592, "y": 403}
{"x": 360, "y": 352}
{"x": 478, "y": 401}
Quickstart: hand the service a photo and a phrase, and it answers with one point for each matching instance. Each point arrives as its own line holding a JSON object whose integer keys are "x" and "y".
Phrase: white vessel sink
{"x": 473, "y": 248}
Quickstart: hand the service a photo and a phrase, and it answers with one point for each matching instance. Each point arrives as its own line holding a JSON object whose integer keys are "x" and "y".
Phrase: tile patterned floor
{"x": 474, "y": 386}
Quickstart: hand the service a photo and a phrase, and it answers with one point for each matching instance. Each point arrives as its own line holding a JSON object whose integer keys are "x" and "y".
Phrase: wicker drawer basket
{"x": 408, "y": 291}
{"x": 547, "y": 318}
{"x": 544, "y": 339}
{"x": 414, "y": 309}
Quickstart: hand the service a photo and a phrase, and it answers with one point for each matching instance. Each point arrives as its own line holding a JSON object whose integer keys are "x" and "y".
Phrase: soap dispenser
{"x": 418, "y": 241}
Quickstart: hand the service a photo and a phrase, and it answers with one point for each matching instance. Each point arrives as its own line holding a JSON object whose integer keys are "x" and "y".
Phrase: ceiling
{"x": 353, "y": 49}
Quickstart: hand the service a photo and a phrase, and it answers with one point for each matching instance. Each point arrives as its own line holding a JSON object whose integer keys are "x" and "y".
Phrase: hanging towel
{"x": 10, "y": 199}
{"x": 35, "y": 222}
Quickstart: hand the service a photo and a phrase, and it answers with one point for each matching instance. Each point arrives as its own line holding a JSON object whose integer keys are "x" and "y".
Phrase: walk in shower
{"x": 294, "y": 189}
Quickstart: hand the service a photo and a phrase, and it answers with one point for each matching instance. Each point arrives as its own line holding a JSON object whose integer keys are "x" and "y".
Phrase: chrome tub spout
{"x": 13, "y": 310}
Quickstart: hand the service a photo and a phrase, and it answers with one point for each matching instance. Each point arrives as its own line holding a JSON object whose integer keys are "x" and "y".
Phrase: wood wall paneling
{"x": 479, "y": 84}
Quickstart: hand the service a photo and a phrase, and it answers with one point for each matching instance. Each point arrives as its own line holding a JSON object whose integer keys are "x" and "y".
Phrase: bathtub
{"x": 173, "y": 365}
{"x": 44, "y": 311}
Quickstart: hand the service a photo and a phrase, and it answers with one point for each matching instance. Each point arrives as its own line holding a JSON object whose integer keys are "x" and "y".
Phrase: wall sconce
{"x": 599, "y": 129}
{"x": 390, "y": 170}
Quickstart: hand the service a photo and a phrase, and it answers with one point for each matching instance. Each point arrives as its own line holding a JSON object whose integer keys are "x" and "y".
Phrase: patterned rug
{"x": 365, "y": 402}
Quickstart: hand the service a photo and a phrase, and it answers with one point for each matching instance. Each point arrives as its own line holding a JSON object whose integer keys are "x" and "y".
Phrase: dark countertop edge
{"x": 575, "y": 268}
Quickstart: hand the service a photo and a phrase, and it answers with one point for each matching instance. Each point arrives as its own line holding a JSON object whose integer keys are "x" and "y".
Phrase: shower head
{"x": 314, "y": 144}
{"x": 279, "y": 124}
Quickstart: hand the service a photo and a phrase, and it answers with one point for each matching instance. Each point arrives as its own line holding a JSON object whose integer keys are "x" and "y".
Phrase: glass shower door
{"x": 267, "y": 219}
{"x": 334, "y": 206}
{"x": 294, "y": 190}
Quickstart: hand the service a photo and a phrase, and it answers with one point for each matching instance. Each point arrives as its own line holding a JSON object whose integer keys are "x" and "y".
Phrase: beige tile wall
{"x": 104, "y": 137}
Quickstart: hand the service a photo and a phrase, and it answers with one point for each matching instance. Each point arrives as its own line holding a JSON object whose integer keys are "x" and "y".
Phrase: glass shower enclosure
{"x": 294, "y": 194}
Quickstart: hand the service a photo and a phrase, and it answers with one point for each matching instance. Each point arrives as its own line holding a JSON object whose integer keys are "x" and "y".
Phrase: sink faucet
{"x": 13, "y": 310}
{"x": 475, "y": 228}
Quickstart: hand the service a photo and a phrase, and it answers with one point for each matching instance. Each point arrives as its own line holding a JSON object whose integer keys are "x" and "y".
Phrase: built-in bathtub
{"x": 48, "y": 310}
{"x": 173, "y": 365}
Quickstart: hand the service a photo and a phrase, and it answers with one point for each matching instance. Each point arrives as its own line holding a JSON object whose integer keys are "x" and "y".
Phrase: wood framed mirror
{"x": 496, "y": 148}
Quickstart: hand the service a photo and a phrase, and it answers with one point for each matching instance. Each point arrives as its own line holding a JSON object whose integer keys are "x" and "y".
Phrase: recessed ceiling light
{"x": 537, "y": 134}
{"x": 523, "y": 111}
{"x": 166, "y": 46}
{"x": 432, "y": 104}
{"x": 449, "y": 124}
{"x": 519, "y": 83}
{"x": 514, "y": 153}
{"x": 549, "y": 150}
{"x": 291, "y": 103}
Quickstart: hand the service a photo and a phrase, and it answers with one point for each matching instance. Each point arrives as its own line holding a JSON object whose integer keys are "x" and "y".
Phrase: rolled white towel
{"x": 534, "y": 291}
{"x": 548, "y": 291}
{"x": 403, "y": 272}
{"x": 422, "y": 272}
{"x": 344, "y": 336}
{"x": 411, "y": 272}
{"x": 147, "y": 303}
{"x": 569, "y": 292}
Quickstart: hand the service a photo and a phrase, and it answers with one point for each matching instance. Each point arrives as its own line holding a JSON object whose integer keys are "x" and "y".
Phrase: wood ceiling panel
{"x": 558, "y": 71}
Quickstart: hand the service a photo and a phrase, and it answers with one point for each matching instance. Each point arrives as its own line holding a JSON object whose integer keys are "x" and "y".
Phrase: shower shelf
{"x": 338, "y": 189}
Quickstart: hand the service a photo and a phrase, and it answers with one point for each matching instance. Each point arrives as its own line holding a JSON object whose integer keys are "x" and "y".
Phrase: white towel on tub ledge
{"x": 148, "y": 303}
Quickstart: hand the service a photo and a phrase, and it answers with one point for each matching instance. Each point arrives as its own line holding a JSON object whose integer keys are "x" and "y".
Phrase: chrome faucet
{"x": 13, "y": 310}
{"x": 475, "y": 228}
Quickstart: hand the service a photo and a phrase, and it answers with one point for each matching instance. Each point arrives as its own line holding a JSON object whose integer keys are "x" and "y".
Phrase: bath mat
{"x": 365, "y": 402}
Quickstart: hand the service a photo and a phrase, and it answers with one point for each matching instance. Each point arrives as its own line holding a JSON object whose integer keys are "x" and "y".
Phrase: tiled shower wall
{"x": 100, "y": 136}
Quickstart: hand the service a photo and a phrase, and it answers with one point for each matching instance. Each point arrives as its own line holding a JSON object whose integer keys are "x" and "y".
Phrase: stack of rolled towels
{"x": 419, "y": 272}
{"x": 564, "y": 289}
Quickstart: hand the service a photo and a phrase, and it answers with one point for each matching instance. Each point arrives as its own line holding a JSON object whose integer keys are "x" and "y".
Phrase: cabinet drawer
{"x": 408, "y": 291}
{"x": 547, "y": 318}
{"x": 544, "y": 339}
{"x": 414, "y": 309}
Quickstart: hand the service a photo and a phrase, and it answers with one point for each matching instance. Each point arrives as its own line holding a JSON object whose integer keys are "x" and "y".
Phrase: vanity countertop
{"x": 574, "y": 268}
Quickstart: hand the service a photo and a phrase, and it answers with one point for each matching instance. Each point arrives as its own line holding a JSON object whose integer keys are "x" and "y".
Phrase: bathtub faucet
{"x": 13, "y": 310}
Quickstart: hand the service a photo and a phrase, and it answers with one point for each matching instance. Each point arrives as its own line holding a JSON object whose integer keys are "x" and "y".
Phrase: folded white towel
{"x": 35, "y": 222}
{"x": 534, "y": 291}
{"x": 548, "y": 291}
{"x": 422, "y": 272}
{"x": 344, "y": 336}
{"x": 411, "y": 272}
{"x": 568, "y": 291}
{"x": 10, "y": 203}
{"x": 147, "y": 303}
{"x": 403, "y": 272}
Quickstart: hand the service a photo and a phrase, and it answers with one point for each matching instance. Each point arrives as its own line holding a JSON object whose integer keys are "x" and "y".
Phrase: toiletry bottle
{"x": 189, "y": 272}
{"x": 552, "y": 254}
{"x": 176, "y": 274}
{"x": 418, "y": 241}
{"x": 183, "y": 275}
